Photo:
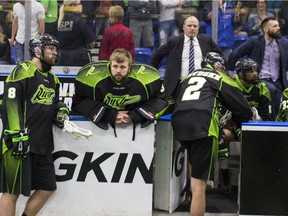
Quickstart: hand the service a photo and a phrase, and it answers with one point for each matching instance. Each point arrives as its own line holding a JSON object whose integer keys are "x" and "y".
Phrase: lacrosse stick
{"x": 76, "y": 131}
{"x": 255, "y": 114}
{"x": 224, "y": 119}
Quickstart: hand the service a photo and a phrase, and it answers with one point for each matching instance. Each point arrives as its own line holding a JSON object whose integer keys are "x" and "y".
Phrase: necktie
{"x": 191, "y": 56}
{"x": 273, "y": 60}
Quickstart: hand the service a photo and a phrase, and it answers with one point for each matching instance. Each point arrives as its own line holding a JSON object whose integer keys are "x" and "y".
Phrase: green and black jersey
{"x": 201, "y": 94}
{"x": 94, "y": 87}
{"x": 259, "y": 97}
{"x": 30, "y": 101}
{"x": 283, "y": 111}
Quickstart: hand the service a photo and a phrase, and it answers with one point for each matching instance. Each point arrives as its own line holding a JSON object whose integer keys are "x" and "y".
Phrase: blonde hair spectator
{"x": 117, "y": 12}
{"x": 72, "y": 4}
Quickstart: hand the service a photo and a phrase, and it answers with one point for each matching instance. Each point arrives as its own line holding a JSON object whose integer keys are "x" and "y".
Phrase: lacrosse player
{"x": 258, "y": 95}
{"x": 196, "y": 117}
{"x": 255, "y": 91}
{"x": 283, "y": 111}
{"x": 118, "y": 92}
{"x": 30, "y": 107}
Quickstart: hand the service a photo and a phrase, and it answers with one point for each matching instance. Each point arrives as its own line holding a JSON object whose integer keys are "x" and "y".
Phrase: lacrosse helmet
{"x": 247, "y": 65}
{"x": 213, "y": 58}
{"x": 40, "y": 41}
{"x": 37, "y": 46}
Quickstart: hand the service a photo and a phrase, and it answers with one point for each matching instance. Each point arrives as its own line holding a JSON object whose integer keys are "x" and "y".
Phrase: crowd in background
{"x": 151, "y": 22}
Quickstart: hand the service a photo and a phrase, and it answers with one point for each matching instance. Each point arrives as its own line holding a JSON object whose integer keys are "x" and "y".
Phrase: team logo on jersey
{"x": 119, "y": 102}
{"x": 43, "y": 95}
{"x": 141, "y": 70}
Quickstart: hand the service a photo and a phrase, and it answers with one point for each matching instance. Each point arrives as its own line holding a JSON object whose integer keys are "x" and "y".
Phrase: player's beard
{"x": 119, "y": 78}
{"x": 253, "y": 81}
{"x": 274, "y": 35}
{"x": 48, "y": 63}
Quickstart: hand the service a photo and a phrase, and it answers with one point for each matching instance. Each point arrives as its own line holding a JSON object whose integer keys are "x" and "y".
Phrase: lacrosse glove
{"x": 103, "y": 116}
{"x": 18, "y": 141}
{"x": 142, "y": 116}
{"x": 62, "y": 115}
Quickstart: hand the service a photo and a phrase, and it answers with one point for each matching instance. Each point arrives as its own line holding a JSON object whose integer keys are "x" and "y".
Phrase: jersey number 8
{"x": 12, "y": 92}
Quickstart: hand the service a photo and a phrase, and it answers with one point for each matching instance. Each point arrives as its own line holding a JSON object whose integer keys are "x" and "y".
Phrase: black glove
{"x": 20, "y": 143}
{"x": 62, "y": 115}
{"x": 104, "y": 116}
{"x": 142, "y": 116}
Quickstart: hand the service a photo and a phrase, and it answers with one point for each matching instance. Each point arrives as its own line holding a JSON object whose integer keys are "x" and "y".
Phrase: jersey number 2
{"x": 192, "y": 92}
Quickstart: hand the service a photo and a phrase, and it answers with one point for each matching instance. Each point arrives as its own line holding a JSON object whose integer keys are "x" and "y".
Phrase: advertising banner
{"x": 102, "y": 175}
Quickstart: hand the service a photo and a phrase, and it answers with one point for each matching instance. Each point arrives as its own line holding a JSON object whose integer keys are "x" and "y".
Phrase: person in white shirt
{"x": 18, "y": 25}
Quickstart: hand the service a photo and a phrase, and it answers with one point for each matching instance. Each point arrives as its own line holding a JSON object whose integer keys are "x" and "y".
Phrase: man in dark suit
{"x": 177, "y": 51}
{"x": 271, "y": 54}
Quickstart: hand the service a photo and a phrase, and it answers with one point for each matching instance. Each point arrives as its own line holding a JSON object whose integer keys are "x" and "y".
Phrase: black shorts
{"x": 202, "y": 154}
{"x": 36, "y": 172}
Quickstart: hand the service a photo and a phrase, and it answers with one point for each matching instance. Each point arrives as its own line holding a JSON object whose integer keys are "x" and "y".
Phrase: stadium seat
{"x": 13, "y": 55}
{"x": 143, "y": 55}
{"x": 239, "y": 39}
{"x": 202, "y": 27}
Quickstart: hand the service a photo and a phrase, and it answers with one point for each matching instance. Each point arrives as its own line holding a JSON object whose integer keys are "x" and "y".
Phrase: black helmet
{"x": 212, "y": 58}
{"x": 246, "y": 65}
{"x": 40, "y": 41}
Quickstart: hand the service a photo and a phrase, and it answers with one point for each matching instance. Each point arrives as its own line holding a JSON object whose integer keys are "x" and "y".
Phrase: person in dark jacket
{"x": 74, "y": 34}
{"x": 177, "y": 52}
{"x": 141, "y": 22}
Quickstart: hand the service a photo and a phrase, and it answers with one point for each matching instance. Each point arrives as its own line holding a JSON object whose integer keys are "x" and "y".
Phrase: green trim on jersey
{"x": 22, "y": 71}
{"x": 263, "y": 89}
{"x": 214, "y": 123}
{"x": 283, "y": 111}
{"x": 96, "y": 71}
{"x": 99, "y": 70}
{"x": 137, "y": 73}
{"x": 227, "y": 79}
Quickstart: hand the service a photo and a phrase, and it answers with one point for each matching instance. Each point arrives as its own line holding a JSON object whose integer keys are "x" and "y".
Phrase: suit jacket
{"x": 173, "y": 49}
{"x": 255, "y": 49}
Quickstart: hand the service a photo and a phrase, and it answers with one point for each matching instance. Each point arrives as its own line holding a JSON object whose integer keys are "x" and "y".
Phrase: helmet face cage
{"x": 212, "y": 58}
{"x": 38, "y": 43}
{"x": 246, "y": 65}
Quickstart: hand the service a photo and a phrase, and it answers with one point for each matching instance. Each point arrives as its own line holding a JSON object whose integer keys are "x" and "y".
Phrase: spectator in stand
{"x": 227, "y": 21}
{"x": 102, "y": 16}
{"x": 117, "y": 35}
{"x": 51, "y": 16}
{"x": 167, "y": 23}
{"x": 18, "y": 25}
{"x": 5, "y": 54}
{"x": 255, "y": 18}
{"x": 74, "y": 35}
{"x": 141, "y": 22}
{"x": 6, "y": 18}
{"x": 273, "y": 6}
{"x": 271, "y": 54}
{"x": 283, "y": 17}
